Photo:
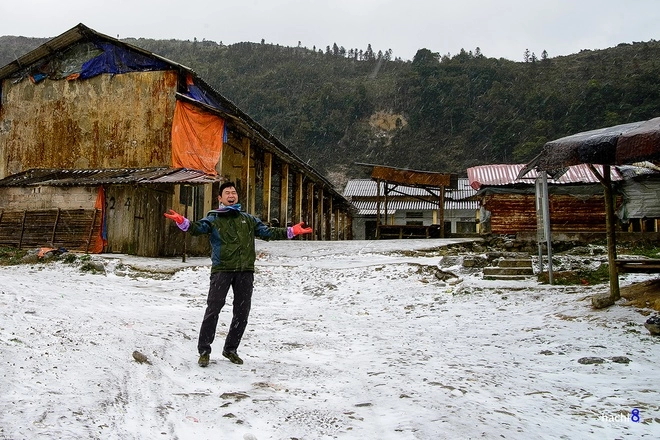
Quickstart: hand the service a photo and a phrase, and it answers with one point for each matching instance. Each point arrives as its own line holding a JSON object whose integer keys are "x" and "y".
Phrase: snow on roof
{"x": 369, "y": 188}
{"x": 406, "y": 198}
{"x": 507, "y": 174}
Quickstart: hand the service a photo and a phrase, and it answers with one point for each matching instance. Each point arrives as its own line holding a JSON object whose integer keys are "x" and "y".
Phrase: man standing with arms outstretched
{"x": 231, "y": 233}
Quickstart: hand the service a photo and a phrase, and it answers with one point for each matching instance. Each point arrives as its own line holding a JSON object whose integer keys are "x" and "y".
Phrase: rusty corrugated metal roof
{"x": 115, "y": 176}
{"x": 507, "y": 174}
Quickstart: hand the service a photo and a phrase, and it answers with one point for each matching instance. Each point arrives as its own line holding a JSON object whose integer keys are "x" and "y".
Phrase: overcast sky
{"x": 503, "y": 28}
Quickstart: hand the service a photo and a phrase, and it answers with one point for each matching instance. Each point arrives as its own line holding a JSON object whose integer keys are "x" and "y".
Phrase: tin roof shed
{"x": 363, "y": 193}
{"x": 509, "y": 174}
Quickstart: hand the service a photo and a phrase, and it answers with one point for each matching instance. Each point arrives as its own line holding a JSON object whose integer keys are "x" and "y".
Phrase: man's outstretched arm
{"x": 299, "y": 229}
{"x": 182, "y": 222}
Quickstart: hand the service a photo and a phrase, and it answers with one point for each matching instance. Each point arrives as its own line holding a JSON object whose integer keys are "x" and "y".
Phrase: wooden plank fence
{"x": 642, "y": 265}
{"x": 71, "y": 229}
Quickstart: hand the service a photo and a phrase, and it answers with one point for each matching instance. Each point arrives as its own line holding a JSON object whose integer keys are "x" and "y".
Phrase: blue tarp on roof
{"x": 201, "y": 95}
{"x": 115, "y": 59}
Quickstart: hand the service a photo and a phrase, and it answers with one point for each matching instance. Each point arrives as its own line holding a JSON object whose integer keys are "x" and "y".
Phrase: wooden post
{"x": 386, "y": 205}
{"x": 615, "y": 293}
{"x": 320, "y": 214}
{"x": 297, "y": 215}
{"x": 20, "y": 240}
{"x": 349, "y": 227}
{"x": 91, "y": 231}
{"x": 185, "y": 214}
{"x": 253, "y": 193}
{"x": 328, "y": 222}
{"x": 441, "y": 212}
{"x": 547, "y": 229}
{"x": 310, "y": 210}
{"x": 52, "y": 236}
{"x": 378, "y": 209}
{"x": 245, "y": 173}
{"x": 606, "y": 180}
{"x": 344, "y": 228}
{"x": 268, "y": 172}
{"x": 284, "y": 194}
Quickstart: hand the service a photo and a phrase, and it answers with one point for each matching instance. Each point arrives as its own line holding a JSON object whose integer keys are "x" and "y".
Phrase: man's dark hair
{"x": 226, "y": 185}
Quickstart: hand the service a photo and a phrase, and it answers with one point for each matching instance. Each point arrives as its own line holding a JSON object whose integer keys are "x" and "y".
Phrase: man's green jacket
{"x": 231, "y": 234}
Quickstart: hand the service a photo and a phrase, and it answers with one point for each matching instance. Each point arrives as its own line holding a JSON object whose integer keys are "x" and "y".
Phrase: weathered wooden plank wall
{"x": 135, "y": 221}
{"x": 73, "y": 229}
{"x": 514, "y": 213}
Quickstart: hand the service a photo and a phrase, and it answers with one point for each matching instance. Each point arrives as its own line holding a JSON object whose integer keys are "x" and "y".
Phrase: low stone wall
{"x": 47, "y": 197}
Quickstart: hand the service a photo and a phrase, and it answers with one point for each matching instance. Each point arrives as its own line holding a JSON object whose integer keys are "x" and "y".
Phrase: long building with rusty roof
{"x": 91, "y": 124}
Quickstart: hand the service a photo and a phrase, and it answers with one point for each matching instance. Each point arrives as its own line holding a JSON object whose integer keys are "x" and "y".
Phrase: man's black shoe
{"x": 233, "y": 357}
{"x": 203, "y": 360}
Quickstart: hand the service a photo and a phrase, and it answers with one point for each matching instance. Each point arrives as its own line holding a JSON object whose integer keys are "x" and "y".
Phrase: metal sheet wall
{"x": 104, "y": 122}
{"x": 514, "y": 213}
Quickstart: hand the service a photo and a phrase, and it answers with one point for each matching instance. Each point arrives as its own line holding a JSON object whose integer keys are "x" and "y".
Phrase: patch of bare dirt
{"x": 643, "y": 295}
{"x": 387, "y": 121}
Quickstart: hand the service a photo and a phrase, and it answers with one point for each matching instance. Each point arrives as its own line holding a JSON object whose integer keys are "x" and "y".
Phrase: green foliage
{"x": 647, "y": 249}
{"x": 89, "y": 267}
{"x": 460, "y": 111}
{"x": 578, "y": 277}
{"x": 10, "y": 256}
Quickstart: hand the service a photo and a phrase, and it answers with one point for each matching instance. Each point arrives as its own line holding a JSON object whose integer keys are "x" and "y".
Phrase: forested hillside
{"x": 335, "y": 107}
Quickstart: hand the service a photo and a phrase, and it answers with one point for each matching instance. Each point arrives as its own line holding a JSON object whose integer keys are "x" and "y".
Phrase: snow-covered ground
{"x": 347, "y": 340}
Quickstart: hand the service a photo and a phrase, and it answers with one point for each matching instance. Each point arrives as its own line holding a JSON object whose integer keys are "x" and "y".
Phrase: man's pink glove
{"x": 173, "y": 215}
{"x": 299, "y": 229}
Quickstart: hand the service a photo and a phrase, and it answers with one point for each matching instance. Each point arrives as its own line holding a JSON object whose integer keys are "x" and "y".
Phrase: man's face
{"x": 228, "y": 197}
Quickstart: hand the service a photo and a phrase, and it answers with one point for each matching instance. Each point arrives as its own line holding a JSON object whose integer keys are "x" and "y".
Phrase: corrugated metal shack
{"x": 625, "y": 144}
{"x": 508, "y": 204}
{"x": 99, "y": 138}
{"x": 640, "y": 207}
{"x": 408, "y": 205}
{"x": 75, "y": 209}
{"x": 403, "y": 203}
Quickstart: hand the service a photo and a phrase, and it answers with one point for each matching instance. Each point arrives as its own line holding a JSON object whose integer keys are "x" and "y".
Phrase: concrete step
{"x": 524, "y": 271}
{"x": 514, "y": 262}
{"x": 506, "y": 277}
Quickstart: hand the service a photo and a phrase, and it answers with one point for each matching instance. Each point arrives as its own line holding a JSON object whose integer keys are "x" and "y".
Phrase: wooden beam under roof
{"x": 407, "y": 177}
{"x": 422, "y": 179}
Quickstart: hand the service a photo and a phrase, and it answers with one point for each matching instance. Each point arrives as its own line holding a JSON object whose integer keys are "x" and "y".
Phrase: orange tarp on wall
{"x": 100, "y": 241}
{"x": 197, "y": 138}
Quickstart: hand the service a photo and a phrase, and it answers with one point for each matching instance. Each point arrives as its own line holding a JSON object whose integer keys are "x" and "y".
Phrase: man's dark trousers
{"x": 242, "y": 284}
